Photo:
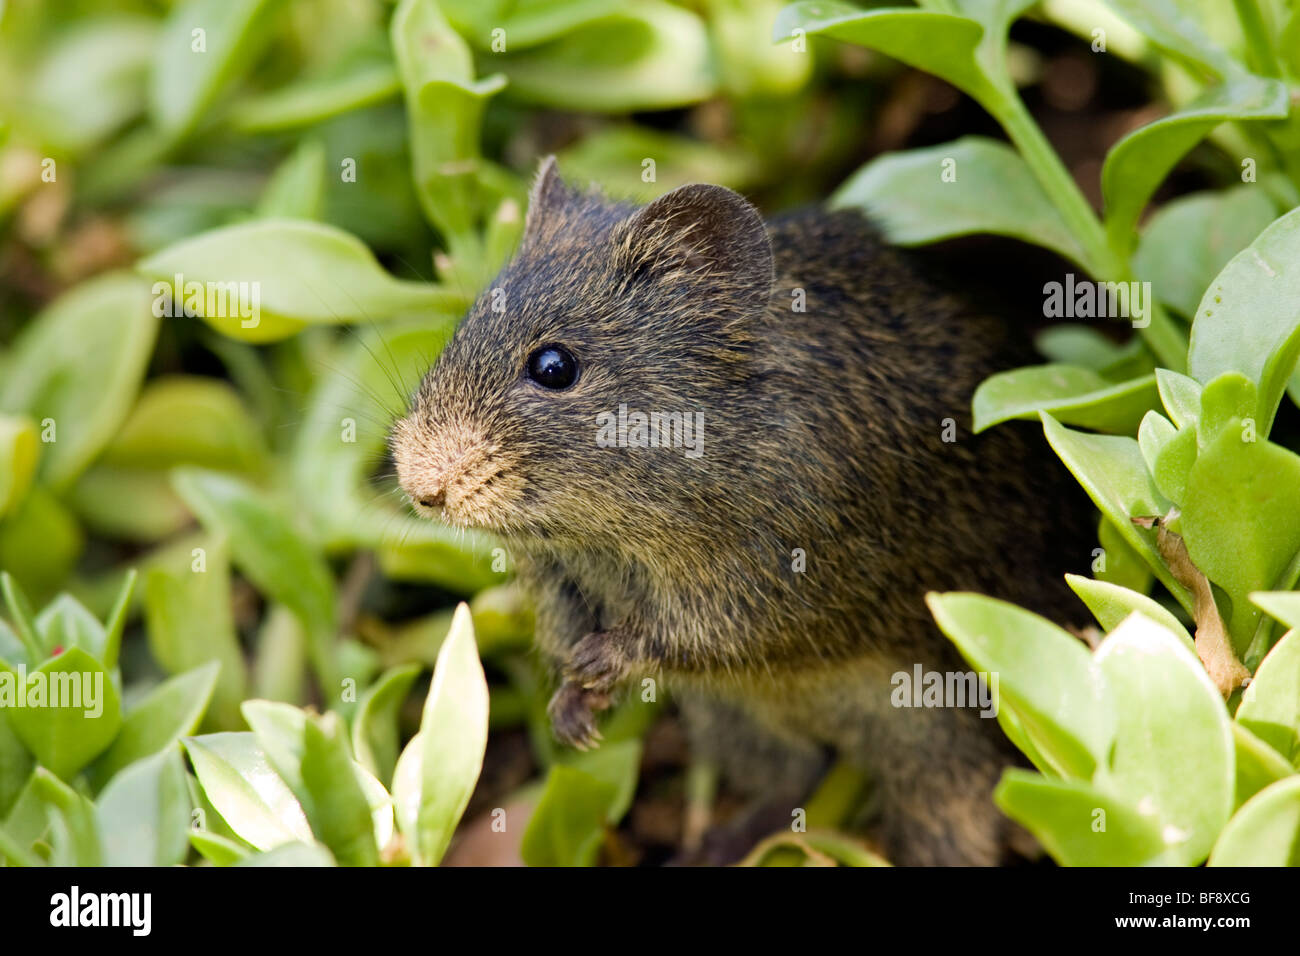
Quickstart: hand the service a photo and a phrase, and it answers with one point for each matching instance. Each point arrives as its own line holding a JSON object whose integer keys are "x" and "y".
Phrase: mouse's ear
{"x": 546, "y": 200}
{"x": 706, "y": 236}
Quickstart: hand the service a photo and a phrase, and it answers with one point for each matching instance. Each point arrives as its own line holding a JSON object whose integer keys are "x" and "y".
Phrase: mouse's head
{"x": 607, "y": 310}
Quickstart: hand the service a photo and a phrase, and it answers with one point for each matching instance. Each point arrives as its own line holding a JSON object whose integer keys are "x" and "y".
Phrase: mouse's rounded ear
{"x": 707, "y": 237}
{"x": 546, "y": 200}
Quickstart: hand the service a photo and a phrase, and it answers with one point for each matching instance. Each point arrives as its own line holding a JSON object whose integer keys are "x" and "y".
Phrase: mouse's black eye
{"x": 553, "y": 366}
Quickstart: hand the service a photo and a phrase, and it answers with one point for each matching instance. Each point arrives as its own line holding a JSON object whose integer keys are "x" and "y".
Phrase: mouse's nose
{"x": 435, "y": 500}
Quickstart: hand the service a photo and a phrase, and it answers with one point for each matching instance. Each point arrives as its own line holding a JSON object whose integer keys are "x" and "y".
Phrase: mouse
{"x": 732, "y": 455}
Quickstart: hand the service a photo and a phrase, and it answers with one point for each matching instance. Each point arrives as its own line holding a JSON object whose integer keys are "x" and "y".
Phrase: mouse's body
{"x": 821, "y": 476}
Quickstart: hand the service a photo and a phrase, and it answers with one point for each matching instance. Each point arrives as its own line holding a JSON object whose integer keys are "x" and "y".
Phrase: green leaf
{"x": 12, "y": 851}
{"x": 1173, "y": 27}
{"x": 1258, "y": 764}
{"x": 204, "y": 47}
{"x": 971, "y": 185}
{"x": 1181, "y": 396}
{"x": 144, "y": 813}
{"x": 310, "y": 753}
{"x": 67, "y": 737}
{"x": 651, "y": 55}
{"x": 189, "y": 624}
{"x": 1270, "y": 706}
{"x": 74, "y": 829}
{"x": 19, "y": 453}
{"x": 749, "y": 65}
{"x": 239, "y": 782}
{"x": 569, "y": 823}
{"x": 271, "y": 277}
{"x": 188, "y": 420}
{"x": 11, "y": 648}
{"x": 75, "y": 370}
{"x": 939, "y": 43}
{"x": 1139, "y": 162}
{"x": 1120, "y": 563}
{"x": 1190, "y": 239}
{"x": 217, "y": 849}
{"x": 1073, "y": 395}
{"x": 1078, "y": 823}
{"x": 1173, "y": 463}
{"x": 617, "y": 762}
{"x": 1288, "y": 45}
{"x": 115, "y": 624}
{"x": 171, "y": 711}
{"x": 278, "y": 669}
{"x": 812, "y": 848}
{"x": 128, "y": 504}
{"x": 1110, "y": 604}
{"x": 1264, "y": 832}
{"x": 292, "y": 855}
{"x": 444, "y": 106}
{"x": 15, "y": 766}
{"x": 1239, "y": 522}
{"x": 296, "y": 189}
{"x": 272, "y": 554}
{"x": 1174, "y": 750}
{"x": 20, "y": 612}
{"x": 40, "y": 543}
{"x": 361, "y": 78}
{"x": 1112, "y": 471}
{"x": 1073, "y": 344}
{"x": 526, "y": 22}
{"x": 65, "y": 622}
{"x": 612, "y": 156}
{"x": 374, "y": 729}
{"x": 92, "y": 81}
{"x": 1227, "y": 403}
{"x": 1283, "y": 605}
{"x": 28, "y": 822}
{"x": 437, "y": 771}
{"x": 178, "y": 420}
{"x": 1044, "y": 675}
{"x": 1155, "y": 433}
{"x": 1247, "y": 321}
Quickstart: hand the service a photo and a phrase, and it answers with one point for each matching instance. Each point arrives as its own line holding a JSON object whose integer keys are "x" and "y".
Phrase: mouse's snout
{"x": 452, "y": 470}
{"x": 432, "y": 501}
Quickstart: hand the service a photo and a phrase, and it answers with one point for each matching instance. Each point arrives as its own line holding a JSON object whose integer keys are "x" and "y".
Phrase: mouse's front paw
{"x": 573, "y": 715}
{"x": 599, "y": 662}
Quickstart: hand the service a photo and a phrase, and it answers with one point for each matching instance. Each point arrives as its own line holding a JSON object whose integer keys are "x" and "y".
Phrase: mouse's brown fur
{"x": 775, "y": 580}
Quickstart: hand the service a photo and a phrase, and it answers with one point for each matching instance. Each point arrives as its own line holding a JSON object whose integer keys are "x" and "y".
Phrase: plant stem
{"x": 1164, "y": 336}
{"x": 1161, "y": 334}
{"x": 1256, "y": 34}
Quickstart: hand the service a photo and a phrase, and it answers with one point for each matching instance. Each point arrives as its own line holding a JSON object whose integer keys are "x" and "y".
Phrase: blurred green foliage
{"x": 233, "y": 234}
{"x": 352, "y": 171}
{"x": 1140, "y": 760}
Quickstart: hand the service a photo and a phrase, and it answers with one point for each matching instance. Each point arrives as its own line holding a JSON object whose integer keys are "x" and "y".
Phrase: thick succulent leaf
{"x": 1264, "y": 832}
{"x": 971, "y": 185}
{"x": 267, "y": 279}
{"x": 1270, "y": 706}
{"x": 1046, "y": 676}
{"x": 1174, "y": 753}
{"x": 1071, "y": 394}
{"x": 1079, "y": 824}
{"x": 1190, "y": 239}
{"x": 1139, "y": 162}
{"x": 1247, "y": 321}
{"x": 437, "y": 771}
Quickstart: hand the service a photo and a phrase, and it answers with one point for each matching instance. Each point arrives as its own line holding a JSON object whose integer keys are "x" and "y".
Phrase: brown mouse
{"x": 735, "y": 455}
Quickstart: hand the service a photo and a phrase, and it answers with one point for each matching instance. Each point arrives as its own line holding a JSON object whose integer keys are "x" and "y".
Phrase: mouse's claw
{"x": 573, "y": 715}
{"x": 598, "y": 662}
